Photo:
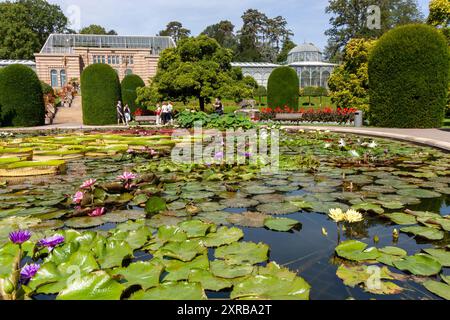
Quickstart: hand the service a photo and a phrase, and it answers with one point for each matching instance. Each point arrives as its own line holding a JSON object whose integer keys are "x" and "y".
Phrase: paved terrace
{"x": 431, "y": 137}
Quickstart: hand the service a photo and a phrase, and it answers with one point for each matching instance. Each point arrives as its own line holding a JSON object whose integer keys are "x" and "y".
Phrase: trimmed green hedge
{"x": 46, "y": 88}
{"x": 21, "y": 97}
{"x": 100, "y": 88}
{"x": 129, "y": 85}
{"x": 283, "y": 88}
{"x": 408, "y": 78}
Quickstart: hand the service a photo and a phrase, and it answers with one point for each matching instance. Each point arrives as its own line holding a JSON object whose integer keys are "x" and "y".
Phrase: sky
{"x": 306, "y": 18}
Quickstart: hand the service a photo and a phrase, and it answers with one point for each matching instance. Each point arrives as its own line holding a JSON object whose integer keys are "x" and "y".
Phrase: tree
{"x": 440, "y": 17}
{"x": 21, "y": 97}
{"x": 403, "y": 92}
{"x": 175, "y": 30}
{"x": 198, "y": 67}
{"x": 25, "y": 26}
{"x": 282, "y": 89}
{"x": 288, "y": 45}
{"x": 96, "y": 29}
{"x": 350, "y": 20}
{"x": 101, "y": 91}
{"x": 349, "y": 82}
{"x": 223, "y": 32}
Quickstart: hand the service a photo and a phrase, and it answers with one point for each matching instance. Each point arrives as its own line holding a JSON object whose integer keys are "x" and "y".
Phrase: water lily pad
{"x": 208, "y": 280}
{"x": 172, "y": 291}
{"x": 424, "y": 232}
{"x": 155, "y": 205}
{"x": 356, "y": 251}
{"x": 143, "y": 273}
{"x": 368, "y": 207}
{"x": 179, "y": 270}
{"x": 84, "y": 222}
{"x": 113, "y": 253}
{"x": 277, "y": 208}
{"x": 223, "y": 269}
{"x": 256, "y": 189}
{"x": 243, "y": 252}
{"x": 195, "y": 228}
{"x": 184, "y": 251}
{"x": 401, "y": 218}
{"x": 440, "y": 255}
{"x": 419, "y": 193}
{"x": 438, "y": 288}
{"x": 217, "y": 217}
{"x": 270, "y": 198}
{"x": 248, "y": 219}
{"x": 267, "y": 287}
{"x": 95, "y": 286}
{"x": 212, "y": 206}
{"x": 280, "y": 224}
{"x": 239, "y": 203}
{"x": 223, "y": 236}
{"x": 419, "y": 264}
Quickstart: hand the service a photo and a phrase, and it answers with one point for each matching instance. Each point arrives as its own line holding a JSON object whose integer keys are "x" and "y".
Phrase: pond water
{"x": 319, "y": 172}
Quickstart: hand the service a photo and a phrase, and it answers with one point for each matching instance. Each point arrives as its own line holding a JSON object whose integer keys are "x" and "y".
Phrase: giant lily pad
{"x": 145, "y": 274}
{"x": 223, "y": 269}
{"x": 208, "y": 280}
{"x": 223, "y": 236}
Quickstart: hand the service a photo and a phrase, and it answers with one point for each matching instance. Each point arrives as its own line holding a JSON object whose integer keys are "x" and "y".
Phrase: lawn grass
{"x": 446, "y": 123}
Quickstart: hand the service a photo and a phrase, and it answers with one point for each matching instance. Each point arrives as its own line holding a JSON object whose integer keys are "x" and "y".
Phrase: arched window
{"x": 62, "y": 77}
{"x": 128, "y": 71}
{"x": 54, "y": 78}
{"x": 315, "y": 79}
{"x": 306, "y": 81}
{"x": 325, "y": 77}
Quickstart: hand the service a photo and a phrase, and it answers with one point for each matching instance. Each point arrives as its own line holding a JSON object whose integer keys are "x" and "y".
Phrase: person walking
{"x": 164, "y": 113}
{"x": 170, "y": 113}
{"x": 119, "y": 111}
{"x": 127, "y": 115}
{"x": 158, "y": 114}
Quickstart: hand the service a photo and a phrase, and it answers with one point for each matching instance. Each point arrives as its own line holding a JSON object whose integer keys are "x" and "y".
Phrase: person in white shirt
{"x": 170, "y": 113}
{"x": 165, "y": 113}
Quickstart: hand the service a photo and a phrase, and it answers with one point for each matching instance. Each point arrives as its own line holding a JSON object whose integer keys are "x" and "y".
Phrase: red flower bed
{"x": 326, "y": 114}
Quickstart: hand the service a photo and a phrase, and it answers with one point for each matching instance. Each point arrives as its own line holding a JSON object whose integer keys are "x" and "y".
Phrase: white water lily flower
{"x": 372, "y": 145}
{"x": 354, "y": 153}
{"x": 327, "y": 145}
{"x": 342, "y": 143}
{"x": 353, "y": 216}
{"x": 337, "y": 215}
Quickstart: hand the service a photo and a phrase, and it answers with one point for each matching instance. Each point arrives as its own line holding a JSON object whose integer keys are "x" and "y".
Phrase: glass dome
{"x": 305, "y": 52}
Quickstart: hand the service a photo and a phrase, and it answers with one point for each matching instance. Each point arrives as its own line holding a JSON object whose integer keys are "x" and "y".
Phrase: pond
{"x": 220, "y": 231}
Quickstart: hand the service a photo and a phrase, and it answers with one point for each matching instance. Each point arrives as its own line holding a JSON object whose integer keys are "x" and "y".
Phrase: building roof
{"x": 64, "y": 43}
{"x": 24, "y": 62}
{"x": 311, "y": 64}
{"x": 254, "y": 65}
{"x": 306, "y": 47}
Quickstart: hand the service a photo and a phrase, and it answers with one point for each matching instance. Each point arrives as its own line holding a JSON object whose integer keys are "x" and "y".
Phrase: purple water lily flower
{"x": 52, "y": 242}
{"x": 19, "y": 236}
{"x": 88, "y": 184}
{"x": 28, "y": 272}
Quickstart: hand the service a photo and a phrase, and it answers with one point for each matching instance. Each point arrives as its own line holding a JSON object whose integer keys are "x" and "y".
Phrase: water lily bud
{"x": 8, "y": 286}
{"x": 395, "y": 234}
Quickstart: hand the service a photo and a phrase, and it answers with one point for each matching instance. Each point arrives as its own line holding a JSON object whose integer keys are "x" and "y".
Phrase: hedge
{"x": 46, "y": 88}
{"x": 21, "y": 97}
{"x": 283, "y": 88}
{"x": 408, "y": 78}
{"x": 129, "y": 85}
{"x": 100, "y": 88}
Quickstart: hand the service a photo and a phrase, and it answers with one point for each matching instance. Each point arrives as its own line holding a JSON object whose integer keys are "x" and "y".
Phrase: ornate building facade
{"x": 64, "y": 56}
{"x": 307, "y": 61}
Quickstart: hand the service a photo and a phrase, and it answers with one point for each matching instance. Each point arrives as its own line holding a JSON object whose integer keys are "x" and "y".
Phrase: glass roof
{"x": 64, "y": 43}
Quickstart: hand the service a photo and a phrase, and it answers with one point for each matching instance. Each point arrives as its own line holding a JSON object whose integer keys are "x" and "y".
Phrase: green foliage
{"x": 439, "y": 17}
{"x": 21, "y": 98}
{"x": 188, "y": 119}
{"x": 175, "y": 30}
{"x": 314, "y": 92}
{"x": 409, "y": 75}
{"x": 46, "y": 88}
{"x": 25, "y": 26}
{"x": 350, "y": 18}
{"x": 288, "y": 45}
{"x": 100, "y": 89}
{"x": 129, "y": 86}
{"x": 349, "y": 82}
{"x": 96, "y": 29}
{"x": 223, "y": 32}
{"x": 283, "y": 88}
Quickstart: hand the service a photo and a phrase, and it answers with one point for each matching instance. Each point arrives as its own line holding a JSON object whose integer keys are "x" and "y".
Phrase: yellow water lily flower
{"x": 352, "y": 216}
{"x": 337, "y": 215}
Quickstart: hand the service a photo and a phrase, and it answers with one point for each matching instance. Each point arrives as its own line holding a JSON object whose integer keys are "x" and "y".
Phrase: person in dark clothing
{"x": 218, "y": 106}
{"x": 119, "y": 111}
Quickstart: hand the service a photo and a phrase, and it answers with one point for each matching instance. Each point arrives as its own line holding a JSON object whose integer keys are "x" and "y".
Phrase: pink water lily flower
{"x": 127, "y": 176}
{"x": 97, "y": 212}
{"x": 88, "y": 184}
{"x": 78, "y": 197}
